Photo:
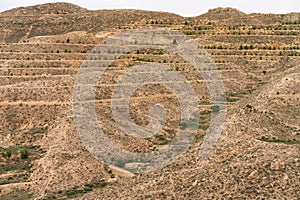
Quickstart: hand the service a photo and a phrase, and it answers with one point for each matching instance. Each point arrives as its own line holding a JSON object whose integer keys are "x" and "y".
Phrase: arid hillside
{"x": 43, "y": 48}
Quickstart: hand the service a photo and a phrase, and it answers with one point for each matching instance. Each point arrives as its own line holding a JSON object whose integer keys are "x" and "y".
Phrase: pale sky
{"x": 185, "y": 8}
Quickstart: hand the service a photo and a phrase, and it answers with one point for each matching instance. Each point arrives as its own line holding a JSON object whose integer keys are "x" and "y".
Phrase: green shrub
{"x": 183, "y": 125}
{"x": 249, "y": 106}
{"x": 8, "y": 153}
{"x": 215, "y": 108}
{"x": 120, "y": 163}
{"x": 24, "y": 154}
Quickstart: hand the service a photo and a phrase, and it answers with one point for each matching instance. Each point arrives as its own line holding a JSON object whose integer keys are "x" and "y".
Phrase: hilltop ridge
{"x": 40, "y": 20}
{"x": 48, "y": 8}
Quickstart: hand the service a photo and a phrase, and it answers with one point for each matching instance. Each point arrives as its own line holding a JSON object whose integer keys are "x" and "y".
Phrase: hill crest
{"x": 48, "y": 8}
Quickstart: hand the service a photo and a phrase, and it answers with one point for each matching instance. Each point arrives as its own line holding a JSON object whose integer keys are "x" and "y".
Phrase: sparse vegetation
{"x": 264, "y": 139}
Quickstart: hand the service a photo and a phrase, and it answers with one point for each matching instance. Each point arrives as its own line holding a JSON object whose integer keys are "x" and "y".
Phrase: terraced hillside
{"x": 41, "y": 155}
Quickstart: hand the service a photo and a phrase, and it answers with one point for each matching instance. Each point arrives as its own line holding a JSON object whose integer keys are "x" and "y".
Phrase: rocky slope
{"x": 42, "y": 156}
